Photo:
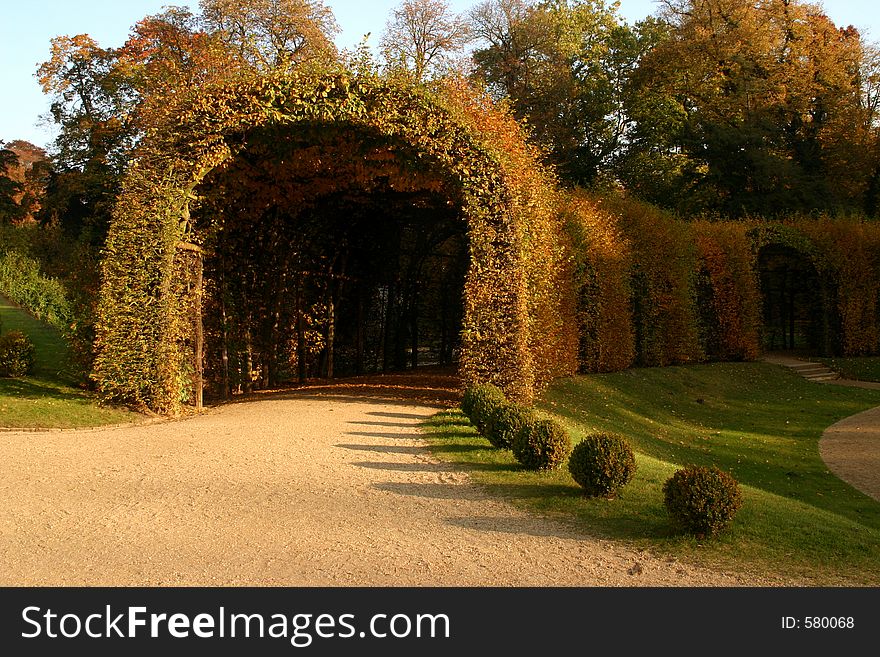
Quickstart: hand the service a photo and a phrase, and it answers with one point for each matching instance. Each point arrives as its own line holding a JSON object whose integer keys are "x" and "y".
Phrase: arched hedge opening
{"x": 654, "y": 289}
{"x": 330, "y": 253}
{"x": 793, "y": 306}
{"x": 452, "y": 145}
{"x": 798, "y": 291}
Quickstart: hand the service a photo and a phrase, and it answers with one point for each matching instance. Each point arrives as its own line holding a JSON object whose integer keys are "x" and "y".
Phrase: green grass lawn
{"x": 760, "y": 422}
{"x": 49, "y": 398}
{"x": 859, "y": 369}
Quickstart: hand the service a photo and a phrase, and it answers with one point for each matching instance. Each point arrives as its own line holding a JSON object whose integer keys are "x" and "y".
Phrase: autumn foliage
{"x": 247, "y": 135}
{"x": 656, "y": 290}
{"x": 515, "y": 332}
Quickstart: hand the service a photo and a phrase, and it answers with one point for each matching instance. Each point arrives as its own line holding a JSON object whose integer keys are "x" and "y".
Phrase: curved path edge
{"x": 306, "y": 489}
{"x": 851, "y": 450}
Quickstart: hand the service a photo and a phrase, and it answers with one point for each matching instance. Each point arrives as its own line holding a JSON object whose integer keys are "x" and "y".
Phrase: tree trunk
{"x": 331, "y": 337}
{"x": 414, "y": 331}
{"x": 248, "y": 358}
{"x": 359, "y": 339}
{"x": 199, "y": 337}
{"x": 388, "y": 346}
{"x": 300, "y": 336}
{"x": 224, "y": 340}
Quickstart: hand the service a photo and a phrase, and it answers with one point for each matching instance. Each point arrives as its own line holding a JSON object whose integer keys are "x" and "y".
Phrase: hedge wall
{"x": 653, "y": 289}
{"x": 602, "y": 271}
{"x": 517, "y": 294}
{"x": 556, "y": 281}
{"x": 731, "y": 310}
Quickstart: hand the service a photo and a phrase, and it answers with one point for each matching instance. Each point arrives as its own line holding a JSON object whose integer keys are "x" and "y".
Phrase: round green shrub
{"x": 468, "y": 398}
{"x": 541, "y": 444}
{"x": 602, "y": 464}
{"x": 479, "y": 402}
{"x": 702, "y": 501}
{"x": 16, "y": 354}
{"x": 504, "y": 422}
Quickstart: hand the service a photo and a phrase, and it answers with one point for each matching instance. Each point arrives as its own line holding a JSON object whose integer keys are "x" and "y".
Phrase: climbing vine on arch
{"x": 515, "y": 302}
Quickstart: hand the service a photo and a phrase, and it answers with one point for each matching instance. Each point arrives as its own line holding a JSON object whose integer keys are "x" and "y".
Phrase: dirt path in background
{"x": 851, "y": 450}
{"x": 308, "y": 489}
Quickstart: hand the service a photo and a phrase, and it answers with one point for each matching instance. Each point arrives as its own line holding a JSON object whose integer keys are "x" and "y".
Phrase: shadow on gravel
{"x": 403, "y": 416}
{"x": 385, "y": 449}
{"x": 407, "y": 467}
{"x": 409, "y": 435}
{"x": 433, "y": 491}
{"x": 534, "y": 526}
{"x": 408, "y": 425}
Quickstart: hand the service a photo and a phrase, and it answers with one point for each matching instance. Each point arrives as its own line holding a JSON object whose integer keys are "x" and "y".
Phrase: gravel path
{"x": 851, "y": 450}
{"x": 306, "y": 489}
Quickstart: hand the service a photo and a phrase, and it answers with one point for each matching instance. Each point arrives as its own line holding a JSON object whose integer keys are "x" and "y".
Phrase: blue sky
{"x": 26, "y": 26}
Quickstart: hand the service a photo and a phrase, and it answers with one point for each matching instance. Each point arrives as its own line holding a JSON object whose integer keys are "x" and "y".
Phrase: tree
{"x": 769, "y": 102}
{"x": 273, "y": 34}
{"x": 28, "y": 173}
{"x": 558, "y": 63}
{"x": 421, "y": 36}
{"x": 10, "y": 189}
{"x": 92, "y": 104}
{"x": 105, "y": 99}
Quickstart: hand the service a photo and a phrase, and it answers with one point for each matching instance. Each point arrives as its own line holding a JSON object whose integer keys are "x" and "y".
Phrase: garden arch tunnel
{"x": 332, "y": 145}
{"x": 799, "y": 296}
{"x": 330, "y": 251}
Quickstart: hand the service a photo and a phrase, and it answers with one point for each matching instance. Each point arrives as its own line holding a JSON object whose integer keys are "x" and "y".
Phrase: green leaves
{"x": 451, "y": 139}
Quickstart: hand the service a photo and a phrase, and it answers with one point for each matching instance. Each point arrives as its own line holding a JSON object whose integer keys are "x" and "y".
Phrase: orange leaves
{"x": 602, "y": 273}
{"x": 66, "y": 53}
{"x": 325, "y": 133}
{"x": 849, "y": 247}
{"x": 727, "y": 256}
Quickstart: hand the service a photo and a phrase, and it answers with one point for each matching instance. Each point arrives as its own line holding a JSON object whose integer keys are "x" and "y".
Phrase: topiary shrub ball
{"x": 479, "y": 402}
{"x": 16, "y": 354}
{"x": 602, "y": 464}
{"x": 541, "y": 444}
{"x": 702, "y": 500}
{"x": 504, "y": 422}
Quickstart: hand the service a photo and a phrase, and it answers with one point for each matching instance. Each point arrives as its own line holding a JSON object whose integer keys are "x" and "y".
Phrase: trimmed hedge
{"x": 541, "y": 445}
{"x": 505, "y": 421}
{"x": 22, "y": 281}
{"x": 479, "y": 402}
{"x": 702, "y": 500}
{"x": 513, "y": 330}
{"x": 16, "y": 354}
{"x": 602, "y": 464}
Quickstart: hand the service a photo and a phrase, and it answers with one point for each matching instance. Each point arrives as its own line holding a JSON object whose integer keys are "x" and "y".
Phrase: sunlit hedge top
{"x": 514, "y": 334}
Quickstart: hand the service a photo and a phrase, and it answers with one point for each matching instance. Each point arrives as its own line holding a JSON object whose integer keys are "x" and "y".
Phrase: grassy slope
{"x": 48, "y": 398}
{"x": 760, "y": 422}
{"x": 859, "y": 369}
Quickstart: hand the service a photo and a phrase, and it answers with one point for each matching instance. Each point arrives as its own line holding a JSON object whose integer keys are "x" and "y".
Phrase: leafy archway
{"x": 515, "y": 328}
{"x": 329, "y": 252}
{"x": 799, "y": 294}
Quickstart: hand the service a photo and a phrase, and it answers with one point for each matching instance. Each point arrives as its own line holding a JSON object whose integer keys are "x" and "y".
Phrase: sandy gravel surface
{"x": 308, "y": 489}
{"x": 851, "y": 450}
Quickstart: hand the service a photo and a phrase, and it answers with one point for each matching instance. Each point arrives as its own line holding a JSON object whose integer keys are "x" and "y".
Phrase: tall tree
{"x": 273, "y": 34}
{"x": 10, "y": 188}
{"x": 92, "y": 105}
{"x": 558, "y": 63}
{"x": 104, "y": 98}
{"x": 770, "y": 104}
{"x": 422, "y": 36}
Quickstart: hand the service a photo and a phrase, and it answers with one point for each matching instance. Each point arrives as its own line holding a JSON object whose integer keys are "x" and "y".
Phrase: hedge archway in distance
{"x": 789, "y": 239}
{"x": 517, "y": 329}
